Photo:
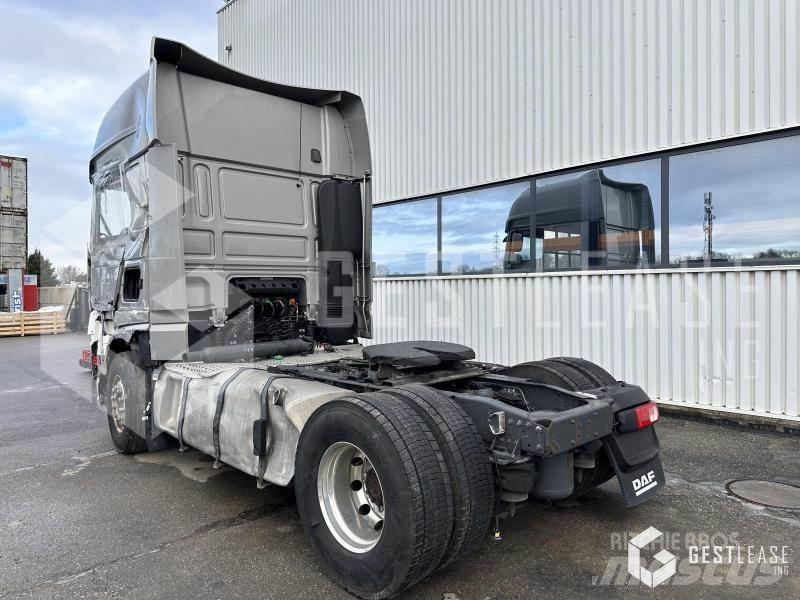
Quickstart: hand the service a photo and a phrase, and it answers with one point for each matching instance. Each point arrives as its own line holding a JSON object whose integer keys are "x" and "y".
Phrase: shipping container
{"x": 13, "y": 212}
{"x": 13, "y": 183}
{"x": 13, "y": 240}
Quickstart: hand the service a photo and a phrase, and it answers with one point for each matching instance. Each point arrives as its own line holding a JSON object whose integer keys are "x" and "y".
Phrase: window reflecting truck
{"x": 230, "y": 281}
{"x": 588, "y": 221}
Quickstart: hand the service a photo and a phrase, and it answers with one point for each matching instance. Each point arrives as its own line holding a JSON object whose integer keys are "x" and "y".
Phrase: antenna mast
{"x": 708, "y": 226}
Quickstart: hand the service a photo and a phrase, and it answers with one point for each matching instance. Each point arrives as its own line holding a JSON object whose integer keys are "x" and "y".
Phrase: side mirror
{"x": 514, "y": 242}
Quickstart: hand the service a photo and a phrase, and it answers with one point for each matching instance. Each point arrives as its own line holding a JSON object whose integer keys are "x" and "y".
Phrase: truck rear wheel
{"x": 125, "y": 391}
{"x": 575, "y": 374}
{"x": 591, "y": 371}
{"x": 551, "y": 373}
{"x": 588, "y": 479}
{"x": 468, "y": 465}
{"x": 373, "y": 493}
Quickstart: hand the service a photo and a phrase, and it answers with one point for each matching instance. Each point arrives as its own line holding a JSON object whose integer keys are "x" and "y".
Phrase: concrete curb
{"x": 736, "y": 418}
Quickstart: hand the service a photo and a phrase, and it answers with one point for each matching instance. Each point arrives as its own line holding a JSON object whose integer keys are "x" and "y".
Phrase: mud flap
{"x": 639, "y": 483}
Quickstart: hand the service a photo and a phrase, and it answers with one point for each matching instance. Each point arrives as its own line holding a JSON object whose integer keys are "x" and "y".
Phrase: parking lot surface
{"x": 79, "y": 520}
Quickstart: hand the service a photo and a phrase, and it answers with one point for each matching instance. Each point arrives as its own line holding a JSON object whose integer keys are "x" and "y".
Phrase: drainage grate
{"x": 766, "y": 493}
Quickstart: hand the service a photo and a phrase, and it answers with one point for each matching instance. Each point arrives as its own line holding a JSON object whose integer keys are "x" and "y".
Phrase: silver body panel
{"x": 194, "y": 389}
{"x": 219, "y": 169}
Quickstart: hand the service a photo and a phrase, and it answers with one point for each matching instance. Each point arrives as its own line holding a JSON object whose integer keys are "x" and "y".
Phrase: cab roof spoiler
{"x": 190, "y": 61}
{"x": 129, "y": 119}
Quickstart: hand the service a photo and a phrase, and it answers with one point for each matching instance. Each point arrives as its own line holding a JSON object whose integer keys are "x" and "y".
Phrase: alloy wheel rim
{"x": 351, "y": 497}
{"x": 118, "y": 396}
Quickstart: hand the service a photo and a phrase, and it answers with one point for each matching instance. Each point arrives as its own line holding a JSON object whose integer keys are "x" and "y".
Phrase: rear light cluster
{"x": 87, "y": 357}
{"x": 646, "y": 414}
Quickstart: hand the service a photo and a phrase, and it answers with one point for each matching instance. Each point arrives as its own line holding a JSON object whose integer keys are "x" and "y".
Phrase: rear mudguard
{"x": 636, "y": 461}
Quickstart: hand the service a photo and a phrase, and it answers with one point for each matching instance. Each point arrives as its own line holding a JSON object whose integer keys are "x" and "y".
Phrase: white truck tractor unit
{"x": 230, "y": 283}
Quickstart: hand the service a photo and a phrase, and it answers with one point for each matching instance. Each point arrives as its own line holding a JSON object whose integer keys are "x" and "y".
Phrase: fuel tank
{"x": 241, "y": 414}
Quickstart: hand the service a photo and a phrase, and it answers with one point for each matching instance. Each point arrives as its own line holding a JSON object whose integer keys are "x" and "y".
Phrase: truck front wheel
{"x": 125, "y": 393}
{"x": 373, "y": 494}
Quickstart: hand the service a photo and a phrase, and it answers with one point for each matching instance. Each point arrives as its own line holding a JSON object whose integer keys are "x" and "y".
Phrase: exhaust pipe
{"x": 248, "y": 352}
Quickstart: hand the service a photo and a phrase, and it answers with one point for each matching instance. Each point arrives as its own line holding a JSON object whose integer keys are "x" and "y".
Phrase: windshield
{"x": 114, "y": 209}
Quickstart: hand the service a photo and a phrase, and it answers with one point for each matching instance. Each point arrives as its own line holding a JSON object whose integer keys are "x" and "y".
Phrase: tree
{"x": 783, "y": 253}
{"x": 40, "y": 265}
{"x": 70, "y": 274}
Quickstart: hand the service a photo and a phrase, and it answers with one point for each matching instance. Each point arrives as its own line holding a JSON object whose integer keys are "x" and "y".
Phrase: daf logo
{"x": 644, "y": 483}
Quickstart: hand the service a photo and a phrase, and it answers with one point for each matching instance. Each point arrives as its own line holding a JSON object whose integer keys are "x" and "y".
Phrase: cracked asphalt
{"x": 78, "y": 520}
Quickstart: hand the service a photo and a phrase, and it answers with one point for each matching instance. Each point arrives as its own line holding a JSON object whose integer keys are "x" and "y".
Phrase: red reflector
{"x": 96, "y": 363}
{"x": 646, "y": 414}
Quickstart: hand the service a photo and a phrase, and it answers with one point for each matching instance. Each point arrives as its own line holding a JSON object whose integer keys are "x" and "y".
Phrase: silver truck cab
{"x": 207, "y": 185}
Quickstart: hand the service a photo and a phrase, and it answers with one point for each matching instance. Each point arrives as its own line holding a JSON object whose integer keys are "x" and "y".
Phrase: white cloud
{"x": 62, "y": 65}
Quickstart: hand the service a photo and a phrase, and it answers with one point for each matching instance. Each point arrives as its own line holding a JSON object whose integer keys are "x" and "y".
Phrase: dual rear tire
{"x": 574, "y": 374}
{"x": 391, "y": 486}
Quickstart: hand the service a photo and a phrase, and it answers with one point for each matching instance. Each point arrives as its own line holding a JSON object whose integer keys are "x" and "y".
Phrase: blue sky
{"x": 62, "y": 64}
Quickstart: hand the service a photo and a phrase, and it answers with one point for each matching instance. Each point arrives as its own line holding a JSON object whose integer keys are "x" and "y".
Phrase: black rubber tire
{"x": 468, "y": 464}
{"x": 135, "y": 379}
{"x": 551, "y": 373}
{"x": 413, "y": 474}
{"x": 595, "y": 373}
{"x": 591, "y": 478}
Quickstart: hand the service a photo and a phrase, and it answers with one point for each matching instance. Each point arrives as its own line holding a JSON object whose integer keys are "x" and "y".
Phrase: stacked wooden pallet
{"x": 32, "y": 323}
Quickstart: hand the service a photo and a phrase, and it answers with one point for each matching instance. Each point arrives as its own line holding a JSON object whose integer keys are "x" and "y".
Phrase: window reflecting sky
{"x": 404, "y": 238}
{"x": 647, "y": 173}
{"x": 473, "y": 228}
{"x": 756, "y": 197}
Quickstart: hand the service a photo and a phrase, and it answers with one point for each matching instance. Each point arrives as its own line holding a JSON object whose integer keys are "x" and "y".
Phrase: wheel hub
{"x": 351, "y": 497}
{"x": 117, "y": 397}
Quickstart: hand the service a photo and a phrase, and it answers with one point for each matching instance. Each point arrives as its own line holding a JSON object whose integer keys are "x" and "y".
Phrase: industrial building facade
{"x": 617, "y": 180}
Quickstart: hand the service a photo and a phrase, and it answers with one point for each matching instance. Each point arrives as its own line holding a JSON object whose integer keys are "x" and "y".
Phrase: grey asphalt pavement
{"x": 78, "y": 520}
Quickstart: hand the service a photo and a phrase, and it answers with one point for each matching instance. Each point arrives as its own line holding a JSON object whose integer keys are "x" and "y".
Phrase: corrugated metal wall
{"x": 463, "y": 92}
{"x": 717, "y": 338}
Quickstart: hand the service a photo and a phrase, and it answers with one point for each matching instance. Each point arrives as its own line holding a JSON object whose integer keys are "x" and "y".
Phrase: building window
{"x": 739, "y": 203}
{"x": 404, "y": 238}
{"x": 733, "y": 204}
{"x": 600, "y": 218}
{"x": 487, "y": 230}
